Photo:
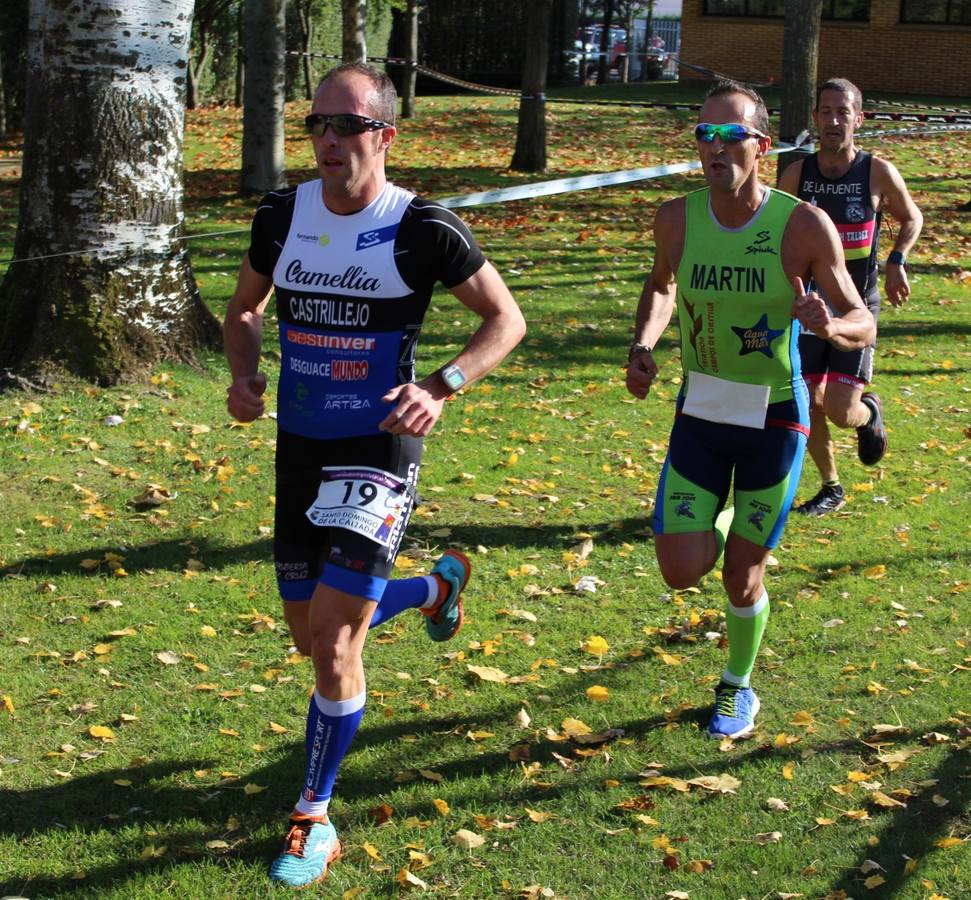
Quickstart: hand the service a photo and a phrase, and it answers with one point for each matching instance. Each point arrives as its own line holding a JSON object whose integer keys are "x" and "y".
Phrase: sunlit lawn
{"x": 152, "y": 712}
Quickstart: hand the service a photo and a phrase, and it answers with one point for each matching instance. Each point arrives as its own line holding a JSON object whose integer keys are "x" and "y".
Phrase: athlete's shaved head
{"x": 760, "y": 118}
{"x": 844, "y": 86}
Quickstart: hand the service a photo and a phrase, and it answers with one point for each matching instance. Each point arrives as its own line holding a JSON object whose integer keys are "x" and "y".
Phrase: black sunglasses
{"x": 344, "y": 124}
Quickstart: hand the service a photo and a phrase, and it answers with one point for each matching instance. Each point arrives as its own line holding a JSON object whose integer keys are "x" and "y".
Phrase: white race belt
{"x": 360, "y": 499}
{"x": 729, "y": 402}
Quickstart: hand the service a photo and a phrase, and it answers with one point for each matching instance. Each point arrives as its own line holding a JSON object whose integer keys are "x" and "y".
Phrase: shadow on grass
{"x": 890, "y": 328}
{"x": 164, "y": 555}
{"x": 164, "y": 796}
{"x": 171, "y": 555}
{"x": 834, "y": 570}
{"x": 912, "y": 831}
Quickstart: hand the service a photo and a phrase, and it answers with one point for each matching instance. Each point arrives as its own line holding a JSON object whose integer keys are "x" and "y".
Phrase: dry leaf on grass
{"x": 768, "y": 837}
{"x": 488, "y": 673}
{"x": 466, "y": 839}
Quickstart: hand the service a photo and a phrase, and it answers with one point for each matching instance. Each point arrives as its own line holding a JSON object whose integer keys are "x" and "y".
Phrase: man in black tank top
{"x": 854, "y": 188}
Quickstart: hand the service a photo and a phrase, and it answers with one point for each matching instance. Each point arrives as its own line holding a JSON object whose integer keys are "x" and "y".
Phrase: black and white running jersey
{"x": 351, "y": 295}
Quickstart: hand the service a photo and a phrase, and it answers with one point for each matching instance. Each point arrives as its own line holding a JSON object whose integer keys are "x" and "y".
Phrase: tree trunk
{"x": 629, "y": 44}
{"x": 3, "y": 103}
{"x": 800, "y": 55}
{"x": 530, "y": 155}
{"x": 240, "y": 57}
{"x": 194, "y": 71}
{"x": 354, "y": 19}
{"x": 264, "y": 33}
{"x": 305, "y": 15}
{"x": 101, "y": 193}
{"x": 410, "y": 74}
{"x": 603, "y": 69}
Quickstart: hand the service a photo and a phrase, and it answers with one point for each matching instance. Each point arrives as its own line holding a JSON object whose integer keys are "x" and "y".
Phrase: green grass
{"x": 187, "y": 795}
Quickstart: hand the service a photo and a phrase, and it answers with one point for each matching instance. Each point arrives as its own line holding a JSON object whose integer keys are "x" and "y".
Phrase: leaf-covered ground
{"x": 151, "y": 707}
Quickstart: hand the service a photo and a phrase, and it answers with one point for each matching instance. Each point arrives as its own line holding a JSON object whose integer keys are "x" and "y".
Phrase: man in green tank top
{"x": 736, "y": 256}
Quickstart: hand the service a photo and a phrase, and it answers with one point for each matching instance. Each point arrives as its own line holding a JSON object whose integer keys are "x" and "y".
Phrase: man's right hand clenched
{"x": 244, "y": 398}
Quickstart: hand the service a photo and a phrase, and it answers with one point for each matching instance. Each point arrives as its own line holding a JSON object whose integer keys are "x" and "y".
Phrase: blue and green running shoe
{"x": 735, "y": 711}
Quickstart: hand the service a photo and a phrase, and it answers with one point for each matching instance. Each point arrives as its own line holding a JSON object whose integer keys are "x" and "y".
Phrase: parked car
{"x": 587, "y": 49}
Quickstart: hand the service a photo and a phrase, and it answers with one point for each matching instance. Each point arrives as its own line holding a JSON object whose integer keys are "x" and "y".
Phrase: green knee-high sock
{"x": 746, "y": 625}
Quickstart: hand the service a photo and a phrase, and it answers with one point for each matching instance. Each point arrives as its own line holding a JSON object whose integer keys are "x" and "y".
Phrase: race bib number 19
{"x": 361, "y": 499}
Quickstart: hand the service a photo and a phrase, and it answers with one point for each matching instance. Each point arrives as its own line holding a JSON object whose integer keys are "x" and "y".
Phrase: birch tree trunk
{"x": 264, "y": 94}
{"x": 101, "y": 196}
{"x": 530, "y": 154}
{"x": 354, "y": 19}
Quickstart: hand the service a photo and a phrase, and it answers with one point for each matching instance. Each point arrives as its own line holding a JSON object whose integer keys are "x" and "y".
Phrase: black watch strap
{"x": 897, "y": 258}
{"x": 638, "y": 348}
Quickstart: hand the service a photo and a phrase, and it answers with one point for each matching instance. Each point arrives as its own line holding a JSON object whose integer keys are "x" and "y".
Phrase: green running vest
{"x": 735, "y": 301}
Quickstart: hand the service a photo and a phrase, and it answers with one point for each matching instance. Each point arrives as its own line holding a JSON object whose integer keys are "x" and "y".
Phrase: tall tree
{"x": 264, "y": 95}
{"x": 606, "y": 43}
{"x": 206, "y": 13}
{"x": 530, "y": 155}
{"x": 305, "y": 14}
{"x": 800, "y": 57}
{"x": 101, "y": 196}
{"x": 3, "y": 102}
{"x": 240, "y": 56}
{"x": 354, "y": 21}
{"x": 628, "y": 11}
{"x": 410, "y": 74}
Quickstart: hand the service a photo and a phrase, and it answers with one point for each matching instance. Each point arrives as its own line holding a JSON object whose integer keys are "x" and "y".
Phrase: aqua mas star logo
{"x": 758, "y": 338}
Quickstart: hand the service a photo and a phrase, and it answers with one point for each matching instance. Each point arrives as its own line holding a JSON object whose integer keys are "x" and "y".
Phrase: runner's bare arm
{"x": 895, "y": 199}
{"x": 811, "y": 246}
{"x": 789, "y": 180}
{"x": 656, "y": 305}
{"x": 243, "y": 338}
{"x": 419, "y": 405}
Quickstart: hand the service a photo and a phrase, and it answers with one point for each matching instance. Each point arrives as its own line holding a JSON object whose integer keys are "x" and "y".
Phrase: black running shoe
{"x": 871, "y": 439}
{"x": 830, "y": 498}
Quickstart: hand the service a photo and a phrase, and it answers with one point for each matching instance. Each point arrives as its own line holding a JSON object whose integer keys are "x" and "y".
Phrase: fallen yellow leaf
{"x": 595, "y": 645}
{"x": 466, "y": 839}
{"x": 574, "y": 728}
{"x": 536, "y": 816}
{"x": 488, "y": 673}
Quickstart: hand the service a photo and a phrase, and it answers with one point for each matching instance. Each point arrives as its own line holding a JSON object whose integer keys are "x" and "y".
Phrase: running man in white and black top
{"x": 854, "y": 188}
{"x": 352, "y": 260}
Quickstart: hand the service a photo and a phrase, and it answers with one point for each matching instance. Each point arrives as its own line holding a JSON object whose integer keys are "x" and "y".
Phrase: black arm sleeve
{"x": 434, "y": 244}
{"x": 271, "y": 224}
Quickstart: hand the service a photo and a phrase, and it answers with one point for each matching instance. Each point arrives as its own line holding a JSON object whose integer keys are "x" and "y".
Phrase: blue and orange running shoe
{"x": 308, "y": 850}
{"x": 444, "y": 619}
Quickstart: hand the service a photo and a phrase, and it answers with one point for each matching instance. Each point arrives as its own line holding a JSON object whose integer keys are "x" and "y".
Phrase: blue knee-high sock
{"x": 331, "y": 726}
{"x": 402, "y": 594}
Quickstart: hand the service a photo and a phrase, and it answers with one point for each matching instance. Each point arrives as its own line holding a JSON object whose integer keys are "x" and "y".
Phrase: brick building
{"x": 906, "y": 46}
